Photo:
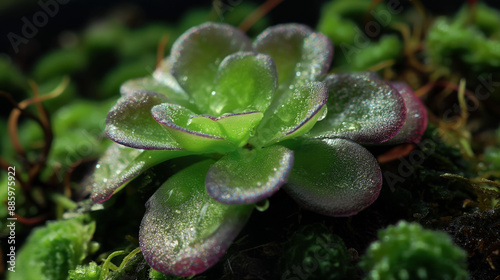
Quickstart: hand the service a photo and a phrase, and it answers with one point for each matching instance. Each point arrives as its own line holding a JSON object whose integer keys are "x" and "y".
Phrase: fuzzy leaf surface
{"x": 335, "y": 177}
{"x": 184, "y": 231}
{"x": 361, "y": 107}
{"x": 130, "y": 123}
{"x": 300, "y": 54}
{"x": 245, "y": 82}
{"x": 248, "y": 176}
{"x": 120, "y": 165}
{"x": 416, "y": 116}
{"x": 297, "y": 114}
{"x": 197, "y": 54}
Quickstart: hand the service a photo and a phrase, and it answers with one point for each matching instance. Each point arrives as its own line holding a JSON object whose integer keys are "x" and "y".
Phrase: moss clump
{"x": 407, "y": 251}
{"x": 86, "y": 272}
{"x": 314, "y": 253}
{"x": 51, "y": 251}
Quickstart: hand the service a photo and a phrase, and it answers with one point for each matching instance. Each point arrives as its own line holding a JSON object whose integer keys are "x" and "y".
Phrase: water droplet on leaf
{"x": 262, "y": 205}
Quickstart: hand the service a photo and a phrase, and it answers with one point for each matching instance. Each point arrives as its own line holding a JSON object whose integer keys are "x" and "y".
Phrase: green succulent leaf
{"x": 300, "y": 54}
{"x": 248, "y": 176}
{"x": 193, "y": 132}
{"x": 184, "y": 231}
{"x": 416, "y": 116}
{"x": 245, "y": 81}
{"x": 197, "y": 54}
{"x": 335, "y": 177}
{"x": 239, "y": 127}
{"x": 361, "y": 107}
{"x": 130, "y": 123}
{"x": 299, "y": 111}
{"x": 121, "y": 164}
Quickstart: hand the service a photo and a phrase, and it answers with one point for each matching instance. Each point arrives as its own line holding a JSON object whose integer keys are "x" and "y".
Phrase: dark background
{"x": 76, "y": 14}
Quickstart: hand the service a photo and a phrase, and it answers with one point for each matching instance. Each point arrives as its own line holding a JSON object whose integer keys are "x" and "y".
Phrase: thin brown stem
{"x": 262, "y": 10}
{"x": 160, "y": 52}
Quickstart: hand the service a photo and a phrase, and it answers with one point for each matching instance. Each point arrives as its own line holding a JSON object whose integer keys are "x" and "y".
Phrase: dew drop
{"x": 350, "y": 126}
{"x": 323, "y": 113}
{"x": 262, "y": 205}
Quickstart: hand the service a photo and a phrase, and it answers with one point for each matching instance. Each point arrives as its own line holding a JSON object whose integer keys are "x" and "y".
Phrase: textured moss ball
{"x": 407, "y": 251}
{"x": 314, "y": 253}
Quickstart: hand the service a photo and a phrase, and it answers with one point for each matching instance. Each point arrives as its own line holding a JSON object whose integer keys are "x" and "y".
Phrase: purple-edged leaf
{"x": 296, "y": 114}
{"x": 416, "y": 116}
{"x": 362, "y": 108}
{"x": 300, "y": 54}
{"x": 130, "y": 123}
{"x": 197, "y": 54}
{"x": 174, "y": 94}
{"x": 245, "y": 82}
{"x": 120, "y": 165}
{"x": 192, "y": 132}
{"x": 244, "y": 176}
{"x": 334, "y": 177}
{"x": 184, "y": 231}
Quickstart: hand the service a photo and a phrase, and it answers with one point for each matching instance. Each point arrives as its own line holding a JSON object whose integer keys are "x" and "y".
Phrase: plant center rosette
{"x": 263, "y": 115}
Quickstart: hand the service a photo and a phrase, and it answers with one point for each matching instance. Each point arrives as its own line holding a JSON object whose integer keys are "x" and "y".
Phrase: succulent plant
{"x": 260, "y": 116}
{"x": 407, "y": 251}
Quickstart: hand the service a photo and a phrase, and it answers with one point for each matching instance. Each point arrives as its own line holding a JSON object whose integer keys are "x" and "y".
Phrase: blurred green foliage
{"x": 356, "y": 31}
{"x": 52, "y": 250}
{"x": 463, "y": 42}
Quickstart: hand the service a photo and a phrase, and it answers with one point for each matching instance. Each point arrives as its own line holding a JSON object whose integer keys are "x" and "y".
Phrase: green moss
{"x": 139, "y": 67}
{"x": 54, "y": 249}
{"x": 406, "y": 251}
{"x": 492, "y": 158}
{"x": 59, "y": 63}
{"x": 145, "y": 40}
{"x": 388, "y": 47}
{"x": 49, "y": 85}
{"x": 315, "y": 253}
{"x": 357, "y": 44}
{"x": 486, "y": 18}
{"x": 338, "y": 20}
{"x": 88, "y": 272}
{"x": 453, "y": 43}
{"x": 104, "y": 37}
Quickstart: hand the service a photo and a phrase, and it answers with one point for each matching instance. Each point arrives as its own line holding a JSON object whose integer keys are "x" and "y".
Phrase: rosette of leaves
{"x": 258, "y": 113}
